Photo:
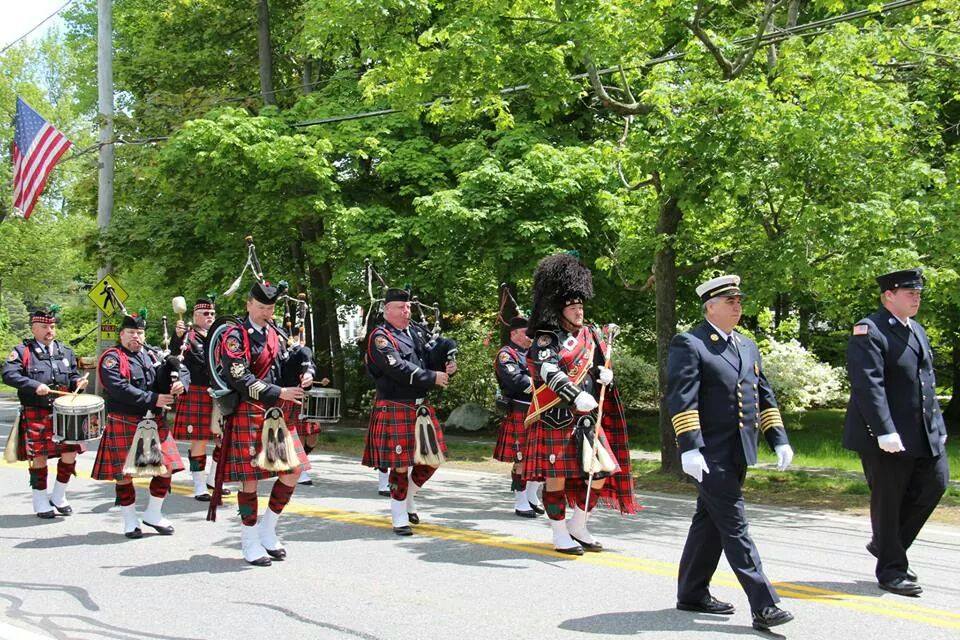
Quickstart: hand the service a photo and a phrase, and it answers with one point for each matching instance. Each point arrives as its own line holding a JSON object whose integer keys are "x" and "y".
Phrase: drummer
{"x": 38, "y": 368}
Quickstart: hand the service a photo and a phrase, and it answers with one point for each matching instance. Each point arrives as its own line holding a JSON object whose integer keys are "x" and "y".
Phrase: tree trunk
{"x": 265, "y": 52}
{"x": 806, "y": 313}
{"x": 665, "y": 274}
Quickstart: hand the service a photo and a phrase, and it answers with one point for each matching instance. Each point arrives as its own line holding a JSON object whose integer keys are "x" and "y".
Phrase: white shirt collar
{"x": 723, "y": 334}
{"x": 256, "y": 326}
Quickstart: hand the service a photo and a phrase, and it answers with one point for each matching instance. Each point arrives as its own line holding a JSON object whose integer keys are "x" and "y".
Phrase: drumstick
{"x": 62, "y": 393}
{"x": 85, "y": 376}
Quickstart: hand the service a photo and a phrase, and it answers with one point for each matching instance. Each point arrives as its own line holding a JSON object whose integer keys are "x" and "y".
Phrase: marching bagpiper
{"x": 36, "y": 368}
{"x": 404, "y": 431}
{"x": 194, "y": 420}
{"x": 139, "y": 387}
{"x": 568, "y": 369}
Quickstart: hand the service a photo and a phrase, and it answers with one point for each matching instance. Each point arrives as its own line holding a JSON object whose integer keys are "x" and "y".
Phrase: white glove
{"x": 943, "y": 440}
{"x": 605, "y": 375}
{"x": 891, "y": 443}
{"x": 693, "y": 464}
{"x": 584, "y": 402}
{"x": 784, "y": 456}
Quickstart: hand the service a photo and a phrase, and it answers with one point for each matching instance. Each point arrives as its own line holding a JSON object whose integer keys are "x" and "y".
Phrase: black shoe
{"x": 133, "y": 535}
{"x": 203, "y": 497}
{"x": 592, "y": 547}
{"x": 771, "y": 616}
{"x": 164, "y": 531}
{"x": 525, "y": 514}
{"x": 902, "y": 587}
{"x": 403, "y": 531}
{"x": 571, "y": 551}
{"x": 306, "y": 483}
{"x": 537, "y": 509}
{"x": 68, "y": 510}
{"x": 413, "y": 518}
{"x": 872, "y": 548}
{"x": 47, "y": 515}
{"x": 277, "y": 554}
{"x": 385, "y": 494}
{"x": 708, "y": 604}
{"x": 261, "y": 562}
{"x": 224, "y": 491}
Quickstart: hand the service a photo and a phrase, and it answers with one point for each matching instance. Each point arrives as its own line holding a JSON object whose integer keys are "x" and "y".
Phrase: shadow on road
{"x": 628, "y": 623}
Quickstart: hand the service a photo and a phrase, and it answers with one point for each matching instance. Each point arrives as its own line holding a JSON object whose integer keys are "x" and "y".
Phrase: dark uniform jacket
{"x": 194, "y": 356}
{"x": 718, "y": 398}
{"x": 56, "y": 369}
{"x": 136, "y": 393}
{"x": 255, "y": 377}
{"x": 512, "y": 375}
{"x": 558, "y": 359}
{"x": 892, "y": 387}
{"x": 397, "y": 360}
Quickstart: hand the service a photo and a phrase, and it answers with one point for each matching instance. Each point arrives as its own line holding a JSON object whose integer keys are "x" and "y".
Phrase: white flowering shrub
{"x": 800, "y": 381}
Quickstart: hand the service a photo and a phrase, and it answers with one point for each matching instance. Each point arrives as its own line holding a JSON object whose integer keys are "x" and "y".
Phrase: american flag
{"x": 37, "y": 147}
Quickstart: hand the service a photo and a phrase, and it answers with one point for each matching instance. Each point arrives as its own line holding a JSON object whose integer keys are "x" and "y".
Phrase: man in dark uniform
{"x": 194, "y": 419}
{"x": 567, "y": 366}
{"x": 398, "y": 360}
{"x": 253, "y": 359}
{"x": 35, "y": 368}
{"x": 131, "y": 377}
{"x": 510, "y": 368}
{"x": 894, "y": 423}
{"x": 719, "y": 400}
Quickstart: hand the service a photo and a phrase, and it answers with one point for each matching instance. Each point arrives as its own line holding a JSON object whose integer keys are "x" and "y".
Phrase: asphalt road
{"x": 473, "y": 569}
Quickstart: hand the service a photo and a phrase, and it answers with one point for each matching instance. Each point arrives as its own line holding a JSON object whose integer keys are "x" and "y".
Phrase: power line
{"x": 40, "y": 24}
{"x": 809, "y": 28}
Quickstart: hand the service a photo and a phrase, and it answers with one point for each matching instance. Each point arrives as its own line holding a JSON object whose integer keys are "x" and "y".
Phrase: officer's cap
{"x": 397, "y": 295}
{"x": 905, "y": 279}
{"x": 45, "y": 316}
{"x": 133, "y": 321}
{"x": 518, "y": 322}
{"x": 264, "y": 292}
{"x": 720, "y": 287}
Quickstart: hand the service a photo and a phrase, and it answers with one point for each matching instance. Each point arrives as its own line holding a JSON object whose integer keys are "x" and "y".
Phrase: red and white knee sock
{"x": 64, "y": 471}
{"x": 577, "y": 525}
{"x": 554, "y": 503}
{"x": 279, "y": 498}
{"x": 38, "y": 483}
{"x": 519, "y": 485}
{"x": 198, "y": 464}
{"x": 127, "y": 499}
{"x": 153, "y": 514}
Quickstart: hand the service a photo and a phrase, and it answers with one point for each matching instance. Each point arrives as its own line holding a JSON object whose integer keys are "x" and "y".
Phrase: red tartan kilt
{"x": 544, "y": 442}
{"x": 391, "y": 437}
{"x": 291, "y": 413}
{"x": 116, "y": 442}
{"x": 36, "y": 427}
{"x": 194, "y": 416}
{"x": 245, "y": 427}
{"x": 512, "y": 437}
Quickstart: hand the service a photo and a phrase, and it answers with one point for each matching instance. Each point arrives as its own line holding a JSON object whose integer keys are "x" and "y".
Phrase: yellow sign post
{"x": 102, "y": 299}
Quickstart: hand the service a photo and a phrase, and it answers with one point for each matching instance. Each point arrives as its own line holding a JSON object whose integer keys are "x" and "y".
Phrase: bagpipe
{"x": 597, "y": 459}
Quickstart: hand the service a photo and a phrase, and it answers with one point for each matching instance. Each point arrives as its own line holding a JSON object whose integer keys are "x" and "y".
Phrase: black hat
{"x": 265, "y": 293}
{"x": 558, "y": 281}
{"x": 205, "y": 303}
{"x": 134, "y": 320}
{"x": 45, "y": 316}
{"x": 906, "y": 279}
{"x": 519, "y": 322}
{"x": 397, "y": 295}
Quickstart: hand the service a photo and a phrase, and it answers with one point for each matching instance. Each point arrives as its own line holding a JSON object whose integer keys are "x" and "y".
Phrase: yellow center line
{"x": 866, "y": 604}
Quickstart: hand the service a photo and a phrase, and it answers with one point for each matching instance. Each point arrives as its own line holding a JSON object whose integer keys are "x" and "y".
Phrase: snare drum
{"x": 78, "y": 418}
{"x": 321, "y": 405}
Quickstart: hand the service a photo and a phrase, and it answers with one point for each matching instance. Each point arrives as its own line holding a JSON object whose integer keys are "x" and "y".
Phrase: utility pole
{"x": 105, "y": 109}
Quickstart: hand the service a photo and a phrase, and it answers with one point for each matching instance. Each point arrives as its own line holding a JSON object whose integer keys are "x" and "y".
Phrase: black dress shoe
{"x": 65, "y": 510}
{"x": 277, "y": 554}
{"x": 133, "y": 535}
{"x": 403, "y": 531}
{"x": 261, "y": 562}
{"x": 413, "y": 518}
{"x": 385, "y": 494}
{"x": 592, "y": 547}
{"x": 525, "y": 514}
{"x": 306, "y": 483}
{"x": 164, "y": 531}
{"x": 571, "y": 551}
{"x": 770, "y": 617}
{"x": 47, "y": 515}
{"x": 224, "y": 491}
{"x": 537, "y": 509}
{"x": 709, "y": 604}
{"x": 203, "y": 497}
{"x": 872, "y": 548}
{"x": 902, "y": 587}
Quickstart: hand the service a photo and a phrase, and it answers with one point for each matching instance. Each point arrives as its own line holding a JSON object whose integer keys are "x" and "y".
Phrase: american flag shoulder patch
{"x": 860, "y": 329}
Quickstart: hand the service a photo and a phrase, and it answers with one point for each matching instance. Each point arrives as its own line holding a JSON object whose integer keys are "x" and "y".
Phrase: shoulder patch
{"x": 111, "y": 362}
{"x": 14, "y": 356}
{"x": 391, "y": 360}
{"x": 543, "y": 340}
{"x": 233, "y": 345}
{"x": 238, "y": 370}
{"x": 543, "y": 354}
{"x": 504, "y": 357}
{"x": 380, "y": 342}
{"x": 860, "y": 329}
